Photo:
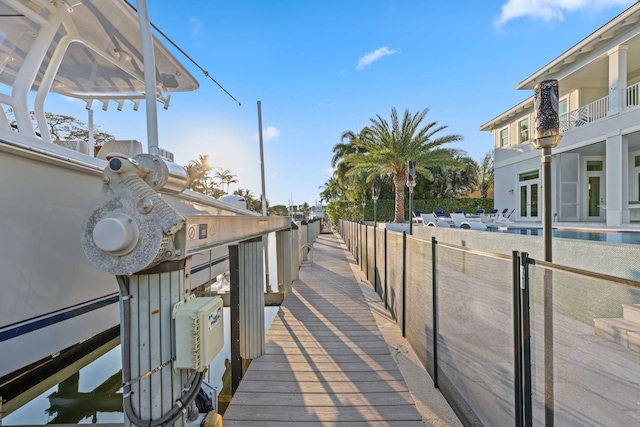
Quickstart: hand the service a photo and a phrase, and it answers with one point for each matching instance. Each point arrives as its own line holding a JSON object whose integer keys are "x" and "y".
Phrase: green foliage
{"x": 386, "y": 208}
{"x": 278, "y": 210}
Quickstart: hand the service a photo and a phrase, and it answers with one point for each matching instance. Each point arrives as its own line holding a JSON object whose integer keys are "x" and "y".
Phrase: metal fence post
{"x": 526, "y": 342}
{"x": 434, "y": 308}
{"x": 404, "y": 284}
{"x": 386, "y": 303}
{"x": 375, "y": 260}
{"x": 517, "y": 340}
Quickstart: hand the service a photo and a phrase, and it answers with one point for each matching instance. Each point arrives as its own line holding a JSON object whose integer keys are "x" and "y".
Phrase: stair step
{"x": 631, "y": 312}
{"x": 618, "y": 331}
{"x": 634, "y": 341}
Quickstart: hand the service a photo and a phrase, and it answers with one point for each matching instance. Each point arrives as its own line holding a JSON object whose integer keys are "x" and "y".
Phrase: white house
{"x": 596, "y": 166}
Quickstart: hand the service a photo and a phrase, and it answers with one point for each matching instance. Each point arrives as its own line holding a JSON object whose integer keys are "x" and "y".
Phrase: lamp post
{"x": 546, "y": 136}
{"x": 411, "y": 182}
{"x": 374, "y": 196}
{"x": 364, "y": 203}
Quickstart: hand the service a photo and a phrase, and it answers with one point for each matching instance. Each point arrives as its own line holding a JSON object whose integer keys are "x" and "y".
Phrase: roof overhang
{"x": 601, "y": 37}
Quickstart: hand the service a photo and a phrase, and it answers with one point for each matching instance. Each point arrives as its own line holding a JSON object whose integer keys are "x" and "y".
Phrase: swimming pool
{"x": 629, "y": 237}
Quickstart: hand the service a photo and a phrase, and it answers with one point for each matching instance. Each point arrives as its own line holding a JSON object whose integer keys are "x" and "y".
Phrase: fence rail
{"x": 483, "y": 325}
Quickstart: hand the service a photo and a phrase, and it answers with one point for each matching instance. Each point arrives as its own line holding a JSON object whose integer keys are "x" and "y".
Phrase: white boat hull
{"x": 51, "y": 296}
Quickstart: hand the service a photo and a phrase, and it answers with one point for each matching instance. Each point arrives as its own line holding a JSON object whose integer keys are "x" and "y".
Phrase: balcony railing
{"x": 597, "y": 109}
{"x": 586, "y": 114}
{"x": 633, "y": 95}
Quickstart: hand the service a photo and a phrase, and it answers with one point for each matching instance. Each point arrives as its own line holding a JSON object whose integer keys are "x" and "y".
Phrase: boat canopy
{"x": 94, "y": 48}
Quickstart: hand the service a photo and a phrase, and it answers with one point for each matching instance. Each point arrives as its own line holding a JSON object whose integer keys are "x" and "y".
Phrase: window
{"x": 563, "y": 106}
{"x": 504, "y": 137}
{"x": 523, "y": 129}
{"x": 528, "y": 176}
{"x": 636, "y": 159}
{"x": 595, "y": 165}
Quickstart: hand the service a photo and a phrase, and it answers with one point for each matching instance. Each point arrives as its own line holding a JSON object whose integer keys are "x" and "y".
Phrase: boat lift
{"x": 169, "y": 336}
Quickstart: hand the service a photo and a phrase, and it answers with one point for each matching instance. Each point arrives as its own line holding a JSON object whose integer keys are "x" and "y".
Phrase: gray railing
{"x": 509, "y": 340}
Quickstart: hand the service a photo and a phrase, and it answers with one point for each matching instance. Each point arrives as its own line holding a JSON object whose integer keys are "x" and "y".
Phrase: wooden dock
{"x": 326, "y": 362}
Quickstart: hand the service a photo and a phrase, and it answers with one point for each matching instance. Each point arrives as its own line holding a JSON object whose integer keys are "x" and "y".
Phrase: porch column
{"x": 617, "y": 79}
{"x": 617, "y": 198}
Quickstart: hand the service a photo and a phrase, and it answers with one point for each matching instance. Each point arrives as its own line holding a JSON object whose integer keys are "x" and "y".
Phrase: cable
{"x": 205, "y": 72}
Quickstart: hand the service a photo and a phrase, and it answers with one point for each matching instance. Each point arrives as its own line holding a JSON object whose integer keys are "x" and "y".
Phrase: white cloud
{"x": 196, "y": 26}
{"x": 329, "y": 171}
{"x": 270, "y": 132}
{"x": 369, "y": 58}
{"x": 548, "y": 10}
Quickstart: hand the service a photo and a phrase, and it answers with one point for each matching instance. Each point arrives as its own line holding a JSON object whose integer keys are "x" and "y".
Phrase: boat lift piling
{"x": 169, "y": 337}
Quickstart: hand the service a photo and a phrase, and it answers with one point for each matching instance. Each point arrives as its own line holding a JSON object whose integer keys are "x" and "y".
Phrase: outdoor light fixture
{"x": 411, "y": 182}
{"x": 546, "y": 135}
{"x": 364, "y": 203}
{"x": 375, "y": 196}
{"x": 411, "y": 174}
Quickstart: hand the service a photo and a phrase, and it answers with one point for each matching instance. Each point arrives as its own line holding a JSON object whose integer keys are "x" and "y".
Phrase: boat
{"x": 51, "y": 297}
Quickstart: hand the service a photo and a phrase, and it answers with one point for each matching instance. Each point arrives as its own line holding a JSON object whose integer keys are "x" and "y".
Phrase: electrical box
{"x": 199, "y": 332}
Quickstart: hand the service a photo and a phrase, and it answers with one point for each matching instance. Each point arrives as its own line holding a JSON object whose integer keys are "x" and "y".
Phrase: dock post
{"x": 295, "y": 251}
{"x": 151, "y": 385}
{"x": 284, "y": 261}
{"x": 252, "y": 335}
{"x": 247, "y": 306}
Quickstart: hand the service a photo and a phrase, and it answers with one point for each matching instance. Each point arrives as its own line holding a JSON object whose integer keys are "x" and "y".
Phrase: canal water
{"x": 93, "y": 394}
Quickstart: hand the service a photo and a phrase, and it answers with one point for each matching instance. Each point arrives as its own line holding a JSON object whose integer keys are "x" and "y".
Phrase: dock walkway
{"x": 326, "y": 361}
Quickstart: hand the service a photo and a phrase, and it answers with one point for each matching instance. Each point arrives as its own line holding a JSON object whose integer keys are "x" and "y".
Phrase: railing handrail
{"x": 633, "y": 98}
{"x": 588, "y": 113}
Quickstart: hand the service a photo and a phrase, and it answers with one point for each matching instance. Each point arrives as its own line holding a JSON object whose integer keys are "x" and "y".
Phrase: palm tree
{"x": 389, "y": 147}
{"x": 453, "y": 181}
{"x": 198, "y": 171}
{"x": 485, "y": 175}
{"x": 226, "y": 177}
{"x": 342, "y": 149}
{"x": 331, "y": 190}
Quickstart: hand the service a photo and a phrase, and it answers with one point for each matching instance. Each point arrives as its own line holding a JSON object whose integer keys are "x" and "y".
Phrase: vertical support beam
{"x": 386, "y": 300}
{"x": 252, "y": 335}
{"x": 148, "y": 339}
{"x": 517, "y": 340}
{"x": 234, "y": 307}
{"x": 404, "y": 284}
{"x": 616, "y": 170}
{"x": 366, "y": 249}
{"x": 434, "y": 306}
{"x": 295, "y": 252}
{"x": 526, "y": 342}
{"x": 284, "y": 260}
{"x": 617, "y": 79}
{"x": 375, "y": 258}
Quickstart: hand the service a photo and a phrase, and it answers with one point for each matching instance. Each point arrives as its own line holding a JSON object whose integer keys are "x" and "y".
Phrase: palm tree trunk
{"x": 399, "y": 181}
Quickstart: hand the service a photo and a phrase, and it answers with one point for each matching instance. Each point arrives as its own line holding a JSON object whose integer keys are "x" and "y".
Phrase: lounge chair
{"x": 430, "y": 220}
{"x": 461, "y": 221}
{"x": 416, "y": 216}
{"x": 503, "y": 218}
{"x": 488, "y": 219}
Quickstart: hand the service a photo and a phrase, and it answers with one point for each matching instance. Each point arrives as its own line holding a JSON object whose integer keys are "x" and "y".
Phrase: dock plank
{"x": 326, "y": 361}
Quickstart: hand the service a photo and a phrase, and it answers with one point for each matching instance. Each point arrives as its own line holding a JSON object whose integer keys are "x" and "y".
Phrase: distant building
{"x": 596, "y": 166}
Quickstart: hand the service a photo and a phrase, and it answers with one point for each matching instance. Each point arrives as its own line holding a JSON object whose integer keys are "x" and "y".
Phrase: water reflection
{"x": 94, "y": 395}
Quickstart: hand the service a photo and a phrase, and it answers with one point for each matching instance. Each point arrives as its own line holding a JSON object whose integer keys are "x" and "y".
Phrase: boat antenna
{"x": 205, "y": 72}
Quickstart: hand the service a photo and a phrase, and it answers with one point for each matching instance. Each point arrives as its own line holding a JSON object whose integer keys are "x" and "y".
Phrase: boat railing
{"x": 510, "y": 338}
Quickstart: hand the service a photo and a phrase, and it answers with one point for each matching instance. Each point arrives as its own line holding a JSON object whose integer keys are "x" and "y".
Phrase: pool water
{"x": 628, "y": 237}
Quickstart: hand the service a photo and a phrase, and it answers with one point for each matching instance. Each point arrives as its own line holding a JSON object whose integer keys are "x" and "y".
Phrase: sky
{"x": 320, "y": 68}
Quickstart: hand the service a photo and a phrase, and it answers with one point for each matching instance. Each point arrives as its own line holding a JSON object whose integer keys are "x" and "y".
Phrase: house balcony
{"x": 597, "y": 109}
